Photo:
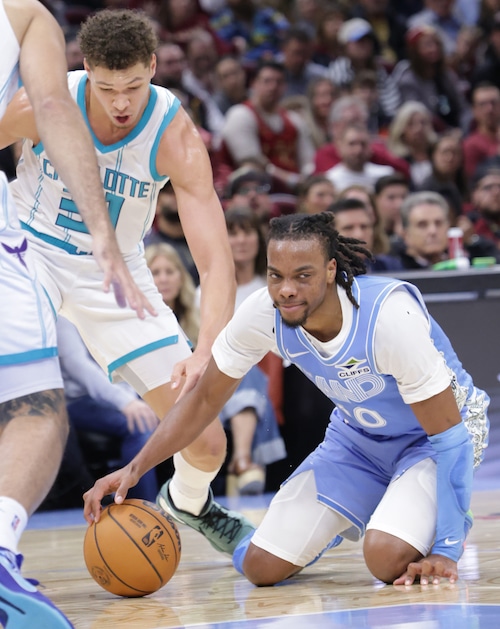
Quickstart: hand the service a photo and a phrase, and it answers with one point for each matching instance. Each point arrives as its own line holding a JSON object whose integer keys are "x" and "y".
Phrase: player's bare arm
{"x": 184, "y": 422}
{"x": 182, "y": 156}
{"x": 62, "y": 128}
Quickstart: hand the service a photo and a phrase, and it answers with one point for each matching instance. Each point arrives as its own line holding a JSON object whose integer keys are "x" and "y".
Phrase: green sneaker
{"x": 224, "y": 529}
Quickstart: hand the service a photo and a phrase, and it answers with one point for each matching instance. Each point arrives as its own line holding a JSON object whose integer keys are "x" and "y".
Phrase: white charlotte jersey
{"x": 9, "y": 66}
{"x": 128, "y": 172}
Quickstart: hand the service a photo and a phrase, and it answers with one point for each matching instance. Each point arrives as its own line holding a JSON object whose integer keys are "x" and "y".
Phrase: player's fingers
{"x": 119, "y": 294}
{"x": 92, "y": 506}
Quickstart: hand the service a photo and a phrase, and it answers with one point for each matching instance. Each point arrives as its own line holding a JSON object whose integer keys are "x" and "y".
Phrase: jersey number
{"x": 68, "y": 205}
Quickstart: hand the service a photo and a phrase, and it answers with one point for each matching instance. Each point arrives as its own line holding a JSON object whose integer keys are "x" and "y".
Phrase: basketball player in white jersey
{"x": 142, "y": 137}
{"x": 33, "y": 421}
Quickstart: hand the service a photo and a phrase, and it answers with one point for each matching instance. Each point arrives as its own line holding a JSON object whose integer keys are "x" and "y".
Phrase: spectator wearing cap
{"x": 483, "y": 142}
{"x": 388, "y": 25}
{"x": 250, "y": 188}
{"x": 358, "y": 45}
{"x": 445, "y": 17}
{"x": 261, "y": 129}
{"x": 425, "y": 77}
{"x": 489, "y": 70}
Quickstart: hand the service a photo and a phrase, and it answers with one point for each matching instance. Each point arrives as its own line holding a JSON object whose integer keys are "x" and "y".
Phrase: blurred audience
{"x": 425, "y": 77}
{"x": 315, "y": 194}
{"x": 355, "y": 167}
{"x": 175, "y": 285}
{"x": 447, "y": 176}
{"x": 261, "y": 129}
{"x": 253, "y": 31}
{"x": 484, "y": 140}
{"x": 411, "y": 137}
{"x": 359, "y": 53}
{"x": 167, "y": 228}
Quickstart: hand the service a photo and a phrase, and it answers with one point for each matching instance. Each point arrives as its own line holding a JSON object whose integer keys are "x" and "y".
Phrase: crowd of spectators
{"x": 351, "y": 106}
{"x": 292, "y": 94}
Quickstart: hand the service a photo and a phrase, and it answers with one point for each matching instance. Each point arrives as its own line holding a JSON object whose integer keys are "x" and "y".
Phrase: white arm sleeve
{"x": 248, "y": 337}
{"x": 404, "y": 348}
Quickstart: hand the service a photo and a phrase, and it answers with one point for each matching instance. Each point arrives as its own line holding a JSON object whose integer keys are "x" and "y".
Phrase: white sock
{"x": 189, "y": 485}
{"x": 13, "y": 520}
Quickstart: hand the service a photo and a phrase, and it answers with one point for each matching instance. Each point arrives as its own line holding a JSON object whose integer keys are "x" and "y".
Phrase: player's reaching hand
{"x": 430, "y": 569}
{"x": 186, "y": 373}
{"x": 118, "y": 482}
{"x": 117, "y": 275}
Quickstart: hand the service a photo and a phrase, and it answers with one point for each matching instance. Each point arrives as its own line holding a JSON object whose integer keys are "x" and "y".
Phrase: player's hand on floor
{"x": 430, "y": 569}
{"x": 118, "y": 482}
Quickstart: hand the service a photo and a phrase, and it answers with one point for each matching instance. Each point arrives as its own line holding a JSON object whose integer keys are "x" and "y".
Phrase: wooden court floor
{"x": 206, "y": 591}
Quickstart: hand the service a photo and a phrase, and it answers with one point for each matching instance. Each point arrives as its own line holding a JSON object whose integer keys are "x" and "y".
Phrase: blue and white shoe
{"x": 22, "y": 606}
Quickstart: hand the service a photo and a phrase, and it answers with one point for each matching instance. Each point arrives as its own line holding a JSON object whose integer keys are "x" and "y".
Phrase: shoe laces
{"x": 13, "y": 562}
{"x": 219, "y": 520}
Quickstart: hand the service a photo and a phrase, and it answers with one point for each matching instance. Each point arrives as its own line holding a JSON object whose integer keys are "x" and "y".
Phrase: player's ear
{"x": 152, "y": 66}
{"x": 331, "y": 271}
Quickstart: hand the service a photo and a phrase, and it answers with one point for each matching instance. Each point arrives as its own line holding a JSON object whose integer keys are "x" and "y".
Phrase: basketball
{"x": 134, "y": 549}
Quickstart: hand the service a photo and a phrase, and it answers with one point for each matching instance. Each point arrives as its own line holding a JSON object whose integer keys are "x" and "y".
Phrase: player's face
{"x": 299, "y": 279}
{"x": 122, "y": 94}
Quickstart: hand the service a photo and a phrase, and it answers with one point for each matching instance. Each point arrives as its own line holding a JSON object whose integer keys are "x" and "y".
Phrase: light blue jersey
{"x": 369, "y": 408}
{"x": 128, "y": 172}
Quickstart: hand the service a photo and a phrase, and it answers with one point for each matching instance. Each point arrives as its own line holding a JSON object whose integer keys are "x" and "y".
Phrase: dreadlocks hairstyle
{"x": 349, "y": 253}
{"x": 117, "y": 39}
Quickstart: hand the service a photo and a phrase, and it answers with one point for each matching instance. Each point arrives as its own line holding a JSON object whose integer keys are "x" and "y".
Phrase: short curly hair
{"x": 117, "y": 39}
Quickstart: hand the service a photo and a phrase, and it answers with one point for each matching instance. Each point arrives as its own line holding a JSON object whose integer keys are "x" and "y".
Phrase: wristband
{"x": 455, "y": 458}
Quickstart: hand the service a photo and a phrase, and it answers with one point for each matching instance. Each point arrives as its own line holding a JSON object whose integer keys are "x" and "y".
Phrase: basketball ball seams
{"x": 136, "y": 545}
{"x": 160, "y": 518}
{"x": 134, "y": 549}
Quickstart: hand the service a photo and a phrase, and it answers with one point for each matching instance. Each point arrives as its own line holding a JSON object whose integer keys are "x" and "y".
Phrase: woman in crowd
{"x": 315, "y": 194}
{"x": 425, "y": 77}
{"x": 411, "y": 136}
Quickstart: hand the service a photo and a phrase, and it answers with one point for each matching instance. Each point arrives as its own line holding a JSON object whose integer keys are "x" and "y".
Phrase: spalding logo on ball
{"x": 134, "y": 549}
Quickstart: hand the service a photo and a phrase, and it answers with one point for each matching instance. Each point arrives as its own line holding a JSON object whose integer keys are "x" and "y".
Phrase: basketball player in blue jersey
{"x": 408, "y": 428}
{"x": 33, "y": 420}
{"x": 142, "y": 137}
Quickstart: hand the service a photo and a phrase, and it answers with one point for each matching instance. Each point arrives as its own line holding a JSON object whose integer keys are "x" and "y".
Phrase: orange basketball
{"x": 134, "y": 549}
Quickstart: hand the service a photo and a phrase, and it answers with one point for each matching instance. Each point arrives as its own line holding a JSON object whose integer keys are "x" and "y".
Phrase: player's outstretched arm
{"x": 67, "y": 140}
{"x": 183, "y": 156}
{"x": 182, "y": 424}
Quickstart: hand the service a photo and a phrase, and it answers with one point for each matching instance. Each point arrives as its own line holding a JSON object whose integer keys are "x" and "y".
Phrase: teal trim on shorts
{"x": 145, "y": 349}
{"x": 28, "y": 357}
{"x": 56, "y": 242}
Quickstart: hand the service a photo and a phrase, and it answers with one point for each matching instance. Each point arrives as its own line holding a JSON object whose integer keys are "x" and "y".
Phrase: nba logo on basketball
{"x": 150, "y": 538}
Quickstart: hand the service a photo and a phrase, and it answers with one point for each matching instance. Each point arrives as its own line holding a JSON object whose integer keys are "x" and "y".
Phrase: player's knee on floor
{"x": 387, "y": 556}
{"x": 262, "y": 568}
